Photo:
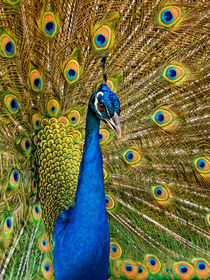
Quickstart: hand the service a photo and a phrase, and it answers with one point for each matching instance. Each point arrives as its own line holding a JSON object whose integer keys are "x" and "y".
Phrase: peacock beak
{"x": 114, "y": 123}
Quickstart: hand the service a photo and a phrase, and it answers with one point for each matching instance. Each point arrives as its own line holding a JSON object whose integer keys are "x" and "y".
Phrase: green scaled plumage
{"x": 156, "y": 176}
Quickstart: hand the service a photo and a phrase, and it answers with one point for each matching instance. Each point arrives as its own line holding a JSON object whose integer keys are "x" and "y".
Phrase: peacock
{"x": 104, "y": 142}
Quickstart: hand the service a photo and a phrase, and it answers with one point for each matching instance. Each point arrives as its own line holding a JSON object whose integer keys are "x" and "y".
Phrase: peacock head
{"x": 106, "y": 106}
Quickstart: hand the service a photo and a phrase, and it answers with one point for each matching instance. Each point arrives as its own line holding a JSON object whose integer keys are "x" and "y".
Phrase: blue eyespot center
{"x": 44, "y": 242}
{"x": 128, "y": 267}
{"x": 100, "y": 40}
{"x": 47, "y": 267}
{"x": 140, "y": 270}
{"x": 129, "y": 156}
{"x": 152, "y": 261}
{"x": 16, "y": 176}
{"x": 183, "y": 269}
{"x": 107, "y": 200}
{"x": 171, "y": 73}
{"x": 100, "y": 136}
{"x": 9, "y": 223}
{"x": 50, "y": 27}
{"x": 37, "y": 83}
{"x": 71, "y": 73}
{"x": 13, "y": 104}
{"x": 113, "y": 249}
{"x": 53, "y": 109}
{"x": 160, "y": 117}
{"x": 201, "y": 265}
{"x": 9, "y": 48}
{"x": 38, "y": 123}
{"x": 158, "y": 191}
{"x": 27, "y": 144}
{"x": 201, "y": 164}
{"x": 36, "y": 208}
{"x": 167, "y": 16}
{"x": 73, "y": 119}
{"x": 34, "y": 183}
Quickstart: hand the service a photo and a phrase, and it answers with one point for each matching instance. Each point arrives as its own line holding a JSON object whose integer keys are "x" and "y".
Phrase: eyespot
{"x": 142, "y": 272}
{"x": 44, "y": 244}
{"x": 36, "y": 121}
{"x": 115, "y": 251}
{"x": 72, "y": 71}
{"x": 14, "y": 179}
{"x": 74, "y": 117}
{"x": 202, "y": 165}
{"x": 169, "y": 16}
{"x": 37, "y": 212}
{"x": 173, "y": 73}
{"x": 153, "y": 263}
{"x": 103, "y": 136}
{"x": 36, "y": 81}
{"x": 53, "y": 108}
{"x": 34, "y": 186}
{"x": 47, "y": 269}
{"x": 162, "y": 117}
{"x": 25, "y": 144}
{"x": 201, "y": 268}
{"x": 184, "y": 270}
{"x": 109, "y": 202}
{"x": 102, "y": 38}
{"x": 160, "y": 193}
{"x": 49, "y": 25}
{"x": 8, "y": 46}
{"x": 131, "y": 157}
{"x": 8, "y": 224}
{"x": 12, "y": 103}
{"x": 128, "y": 269}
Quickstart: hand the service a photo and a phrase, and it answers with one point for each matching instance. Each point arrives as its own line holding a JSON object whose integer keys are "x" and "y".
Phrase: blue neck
{"x": 82, "y": 241}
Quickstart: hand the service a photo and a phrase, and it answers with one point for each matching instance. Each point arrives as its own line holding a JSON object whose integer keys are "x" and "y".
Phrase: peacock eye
{"x": 183, "y": 270}
{"x": 169, "y": 16}
{"x": 7, "y": 225}
{"x": 153, "y": 263}
{"x": 12, "y": 103}
{"x": 53, "y": 108}
{"x": 74, "y": 117}
{"x": 14, "y": 179}
{"x": 201, "y": 268}
{"x": 7, "y": 46}
{"x": 49, "y": 25}
{"x": 47, "y": 269}
{"x": 115, "y": 250}
{"x": 36, "y": 81}
{"x": 44, "y": 244}
{"x": 174, "y": 73}
{"x": 36, "y": 211}
{"x": 160, "y": 193}
{"x": 72, "y": 71}
{"x": 102, "y": 38}
{"x": 128, "y": 269}
{"x": 101, "y": 107}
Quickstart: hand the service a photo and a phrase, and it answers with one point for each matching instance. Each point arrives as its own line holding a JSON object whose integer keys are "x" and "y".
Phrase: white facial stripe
{"x": 96, "y": 102}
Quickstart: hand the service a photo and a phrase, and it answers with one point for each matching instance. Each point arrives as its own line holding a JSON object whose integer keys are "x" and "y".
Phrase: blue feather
{"x": 81, "y": 236}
